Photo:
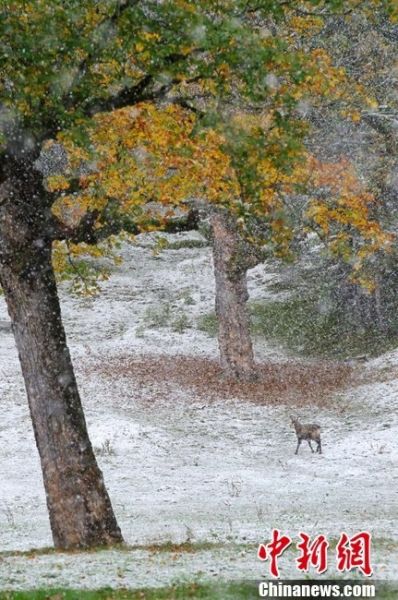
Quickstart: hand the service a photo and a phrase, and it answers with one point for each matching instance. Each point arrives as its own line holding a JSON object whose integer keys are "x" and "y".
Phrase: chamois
{"x": 309, "y": 431}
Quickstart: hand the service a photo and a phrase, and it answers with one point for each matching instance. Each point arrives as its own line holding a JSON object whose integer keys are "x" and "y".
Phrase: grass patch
{"x": 180, "y": 323}
{"x": 162, "y": 316}
{"x": 227, "y": 591}
{"x": 208, "y": 324}
{"x": 183, "y": 547}
{"x": 168, "y": 546}
{"x": 157, "y": 316}
{"x": 298, "y": 325}
{"x": 222, "y": 591}
{"x": 387, "y": 592}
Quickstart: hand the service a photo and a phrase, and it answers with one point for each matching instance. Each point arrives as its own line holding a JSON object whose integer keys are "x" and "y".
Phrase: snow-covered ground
{"x": 179, "y": 468}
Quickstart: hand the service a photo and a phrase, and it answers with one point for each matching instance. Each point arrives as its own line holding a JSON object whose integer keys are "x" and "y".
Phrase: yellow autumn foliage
{"x": 345, "y": 215}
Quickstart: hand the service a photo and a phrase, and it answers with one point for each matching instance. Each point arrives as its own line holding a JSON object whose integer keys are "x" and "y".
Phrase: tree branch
{"x": 88, "y": 232}
{"x": 386, "y": 124}
{"x": 292, "y": 4}
{"x": 126, "y": 97}
{"x": 85, "y": 231}
{"x": 139, "y": 92}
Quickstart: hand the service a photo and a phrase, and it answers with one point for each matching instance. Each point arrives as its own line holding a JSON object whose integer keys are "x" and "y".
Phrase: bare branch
{"x": 88, "y": 232}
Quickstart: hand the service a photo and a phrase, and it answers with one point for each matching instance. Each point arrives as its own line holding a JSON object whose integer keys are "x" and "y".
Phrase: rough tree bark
{"x": 232, "y": 259}
{"x": 79, "y": 507}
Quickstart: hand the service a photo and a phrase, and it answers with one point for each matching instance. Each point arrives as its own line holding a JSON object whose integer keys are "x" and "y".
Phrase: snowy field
{"x": 217, "y": 473}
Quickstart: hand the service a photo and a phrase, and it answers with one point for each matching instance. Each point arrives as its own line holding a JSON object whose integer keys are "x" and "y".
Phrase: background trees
{"x": 351, "y": 292}
{"x": 243, "y": 157}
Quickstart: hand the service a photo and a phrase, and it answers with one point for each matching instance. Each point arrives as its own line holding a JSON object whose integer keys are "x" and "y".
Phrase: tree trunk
{"x": 80, "y": 511}
{"x": 230, "y": 269}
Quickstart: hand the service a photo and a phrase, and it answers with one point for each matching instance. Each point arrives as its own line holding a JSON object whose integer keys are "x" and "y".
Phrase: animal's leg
{"x": 298, "y": 446}
{"x": 309, "y": 443}
{"x": 319, "y": 447}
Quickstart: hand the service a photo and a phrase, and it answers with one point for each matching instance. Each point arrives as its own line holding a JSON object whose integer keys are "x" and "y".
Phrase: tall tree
{"x": 232, "y": 257}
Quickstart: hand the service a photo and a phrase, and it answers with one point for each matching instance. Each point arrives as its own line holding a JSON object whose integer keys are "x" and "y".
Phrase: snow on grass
{"x": 180, "y": 466}
{"x": 138, "y": 568}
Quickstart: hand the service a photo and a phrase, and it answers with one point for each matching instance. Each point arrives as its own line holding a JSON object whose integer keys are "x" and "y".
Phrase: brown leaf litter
{"x": 291, "y": 382}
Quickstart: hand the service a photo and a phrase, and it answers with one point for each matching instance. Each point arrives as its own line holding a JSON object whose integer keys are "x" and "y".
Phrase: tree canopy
{"x": 236, "y": 76}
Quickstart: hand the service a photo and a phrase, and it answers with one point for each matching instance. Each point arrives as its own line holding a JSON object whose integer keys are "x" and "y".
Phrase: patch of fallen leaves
{"x": 291, "y": 382}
